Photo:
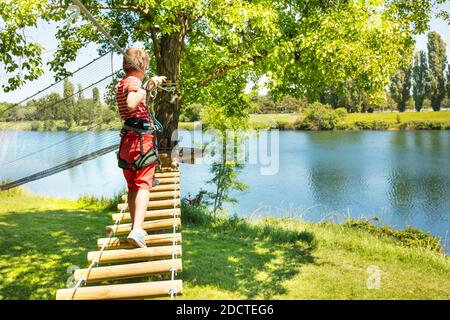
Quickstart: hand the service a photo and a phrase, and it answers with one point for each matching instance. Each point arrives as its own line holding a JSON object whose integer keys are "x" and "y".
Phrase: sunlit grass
{"x": 223, "y": 258}
{"x": 443, "y": 116}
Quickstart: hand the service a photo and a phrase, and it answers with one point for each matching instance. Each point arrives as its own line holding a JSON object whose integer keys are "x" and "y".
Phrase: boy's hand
{"x": 158, "y": 80}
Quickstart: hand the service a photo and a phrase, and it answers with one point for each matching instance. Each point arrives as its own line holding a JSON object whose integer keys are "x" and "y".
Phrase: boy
{"x": 131, "y": 99}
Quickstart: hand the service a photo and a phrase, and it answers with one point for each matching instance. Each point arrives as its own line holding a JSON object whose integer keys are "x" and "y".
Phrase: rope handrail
{"x": 172, "y": 291}
{"x": 55, "y": 83}
{"x": 61, "y": 167}
{"x": 84, "y": 279}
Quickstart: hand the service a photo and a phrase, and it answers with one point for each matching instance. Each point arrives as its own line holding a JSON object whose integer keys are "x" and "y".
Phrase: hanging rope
{"x": 84, "y": 279}
{"x": 58, "y": 168}
{"x": 56, "y": 83}
{"x": 173, "y": 270}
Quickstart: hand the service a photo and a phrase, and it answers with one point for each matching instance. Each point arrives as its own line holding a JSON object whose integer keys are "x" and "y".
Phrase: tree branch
{"x": 223, "y": 70}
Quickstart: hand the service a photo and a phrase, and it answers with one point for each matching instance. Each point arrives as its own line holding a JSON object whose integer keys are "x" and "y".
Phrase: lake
{"x": 401, "y": 177}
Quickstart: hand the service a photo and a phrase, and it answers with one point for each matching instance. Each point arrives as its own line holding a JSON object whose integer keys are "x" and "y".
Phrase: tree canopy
{"x": 212, "y": 48}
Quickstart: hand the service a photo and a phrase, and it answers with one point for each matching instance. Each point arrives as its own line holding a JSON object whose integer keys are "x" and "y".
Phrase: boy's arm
{"x": 134, "y": 98}
{"x": 137, "y": 94}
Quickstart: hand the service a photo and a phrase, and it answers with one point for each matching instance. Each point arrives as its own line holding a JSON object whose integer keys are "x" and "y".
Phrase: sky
{"x": 45, "y": 35}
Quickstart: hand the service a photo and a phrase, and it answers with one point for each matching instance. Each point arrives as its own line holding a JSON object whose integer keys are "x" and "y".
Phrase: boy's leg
{"x": 140, "y": 208}
{"x": 132, "y": 204}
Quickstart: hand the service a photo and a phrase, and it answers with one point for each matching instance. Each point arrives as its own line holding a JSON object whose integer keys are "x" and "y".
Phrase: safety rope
{"x": 84, "y": 279}
{"x": 57, "y": 82}
{"x": 173, "y": 270}
{"x": 61, "y": 167}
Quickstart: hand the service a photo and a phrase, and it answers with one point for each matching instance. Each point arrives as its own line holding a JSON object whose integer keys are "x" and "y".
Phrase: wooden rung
{"x": 123, "y": 255}
{"x": 151, "y": 225}
{"x": 167, "y": 174}
{"x": 169, "y": 180}
{"x": 159, "y": 195}
{"x": 154, "y": 204}
{"x": 126, "y": 271}
{"x": 163, "y": 187}
{"x": 150, "y": 240}
{"x": 122, "y": 291}
{"x": 151, "y": 214}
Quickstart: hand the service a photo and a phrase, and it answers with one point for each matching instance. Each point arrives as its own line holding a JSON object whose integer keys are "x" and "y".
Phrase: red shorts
{"x": 130, "y": 151}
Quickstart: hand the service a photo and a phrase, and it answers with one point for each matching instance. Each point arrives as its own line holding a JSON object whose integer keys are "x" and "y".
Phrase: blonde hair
{"x": 134, "y": 58}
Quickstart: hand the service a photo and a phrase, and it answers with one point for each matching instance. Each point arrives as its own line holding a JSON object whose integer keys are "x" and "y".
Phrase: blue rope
{"x": 158, "y": 126}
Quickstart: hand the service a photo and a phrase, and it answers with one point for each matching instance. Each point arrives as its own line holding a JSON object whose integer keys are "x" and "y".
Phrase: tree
{"x": 96, "y": 105}
{"x": 204, "y": 44}
{"x": 420, "y": 79}
{"x": 226, "y": 120}
{"x": 437, "y": 61}
{"x": 80, "y": 106}
{"x": 69, "y": 104}
{"x": 448, "y": 82}
{"x": 400, "y": 87}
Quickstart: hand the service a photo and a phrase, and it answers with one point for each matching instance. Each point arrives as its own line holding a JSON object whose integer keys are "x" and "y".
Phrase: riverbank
{"x": 288, "y": 121}
{"x": 360, "y": 121}
{"x": 273, "y": 259}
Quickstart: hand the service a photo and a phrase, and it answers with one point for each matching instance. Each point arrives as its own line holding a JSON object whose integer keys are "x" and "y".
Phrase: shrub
{"x": 281, "y": 125}
{"x": 36, "y": 126}
{"x": 322, "y": 117}
{"x": 422, "y": 125}
{"x": 49, "y": 125}
{"x": 372, "y": 125}
{"x": 409, "y": 237}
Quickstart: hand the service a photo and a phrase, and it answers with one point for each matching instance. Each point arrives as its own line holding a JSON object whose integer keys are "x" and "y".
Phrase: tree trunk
{"x": 167, "y": 105}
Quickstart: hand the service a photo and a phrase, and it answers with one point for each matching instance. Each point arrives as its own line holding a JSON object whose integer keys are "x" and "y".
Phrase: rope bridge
{"x": 120, "y": 261}
{"x": 116, "y": 259}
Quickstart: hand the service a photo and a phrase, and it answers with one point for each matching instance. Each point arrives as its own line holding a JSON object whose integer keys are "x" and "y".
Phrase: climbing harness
{"x": 144, "y": 127}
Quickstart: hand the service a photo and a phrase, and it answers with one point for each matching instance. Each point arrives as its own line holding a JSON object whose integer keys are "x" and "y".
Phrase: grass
{"x": 224, "y": 258}
{"x": 443, "y": 116}
{"x": 361, "y": 121}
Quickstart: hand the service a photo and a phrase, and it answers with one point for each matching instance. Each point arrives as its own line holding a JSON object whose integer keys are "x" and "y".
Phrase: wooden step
{"x": 163, "y": 187}
{"x": 150, "y": 240}
{"x": 122, "y": 291}
{"x": 159, "y": 195}
{"x": 151, "y": 225}
{"x": 126, "y": 271}
{"x": 173, "y": 174}
{"x": 149, "y": 215}
{"x": 154, "y": 204}
{"x": 173, "y": 180}
{"x": 124, "y": 255}
{"x": 167, "y": 169}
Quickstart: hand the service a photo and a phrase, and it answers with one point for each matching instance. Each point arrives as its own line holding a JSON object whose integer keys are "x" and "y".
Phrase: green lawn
{"x": 289, "y": 121}
{"x": 224, "y": 259}
{"x": 443, "y": 116}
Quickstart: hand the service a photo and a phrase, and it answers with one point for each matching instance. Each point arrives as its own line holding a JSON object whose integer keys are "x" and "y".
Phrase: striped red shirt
{"x": 125, "y": 86}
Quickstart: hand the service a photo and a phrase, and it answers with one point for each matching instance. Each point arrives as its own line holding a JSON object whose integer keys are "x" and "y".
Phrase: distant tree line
{"x": 72, "y": 107}
{"x": 425, "y": 77}
{"x": 423, "y": 81}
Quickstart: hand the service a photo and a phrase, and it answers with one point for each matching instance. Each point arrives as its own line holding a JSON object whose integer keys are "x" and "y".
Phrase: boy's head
{"x": 134, "y": 58}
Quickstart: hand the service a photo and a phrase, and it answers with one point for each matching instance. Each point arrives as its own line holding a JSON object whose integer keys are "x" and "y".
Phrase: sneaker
{"x": 137, "y": 239}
